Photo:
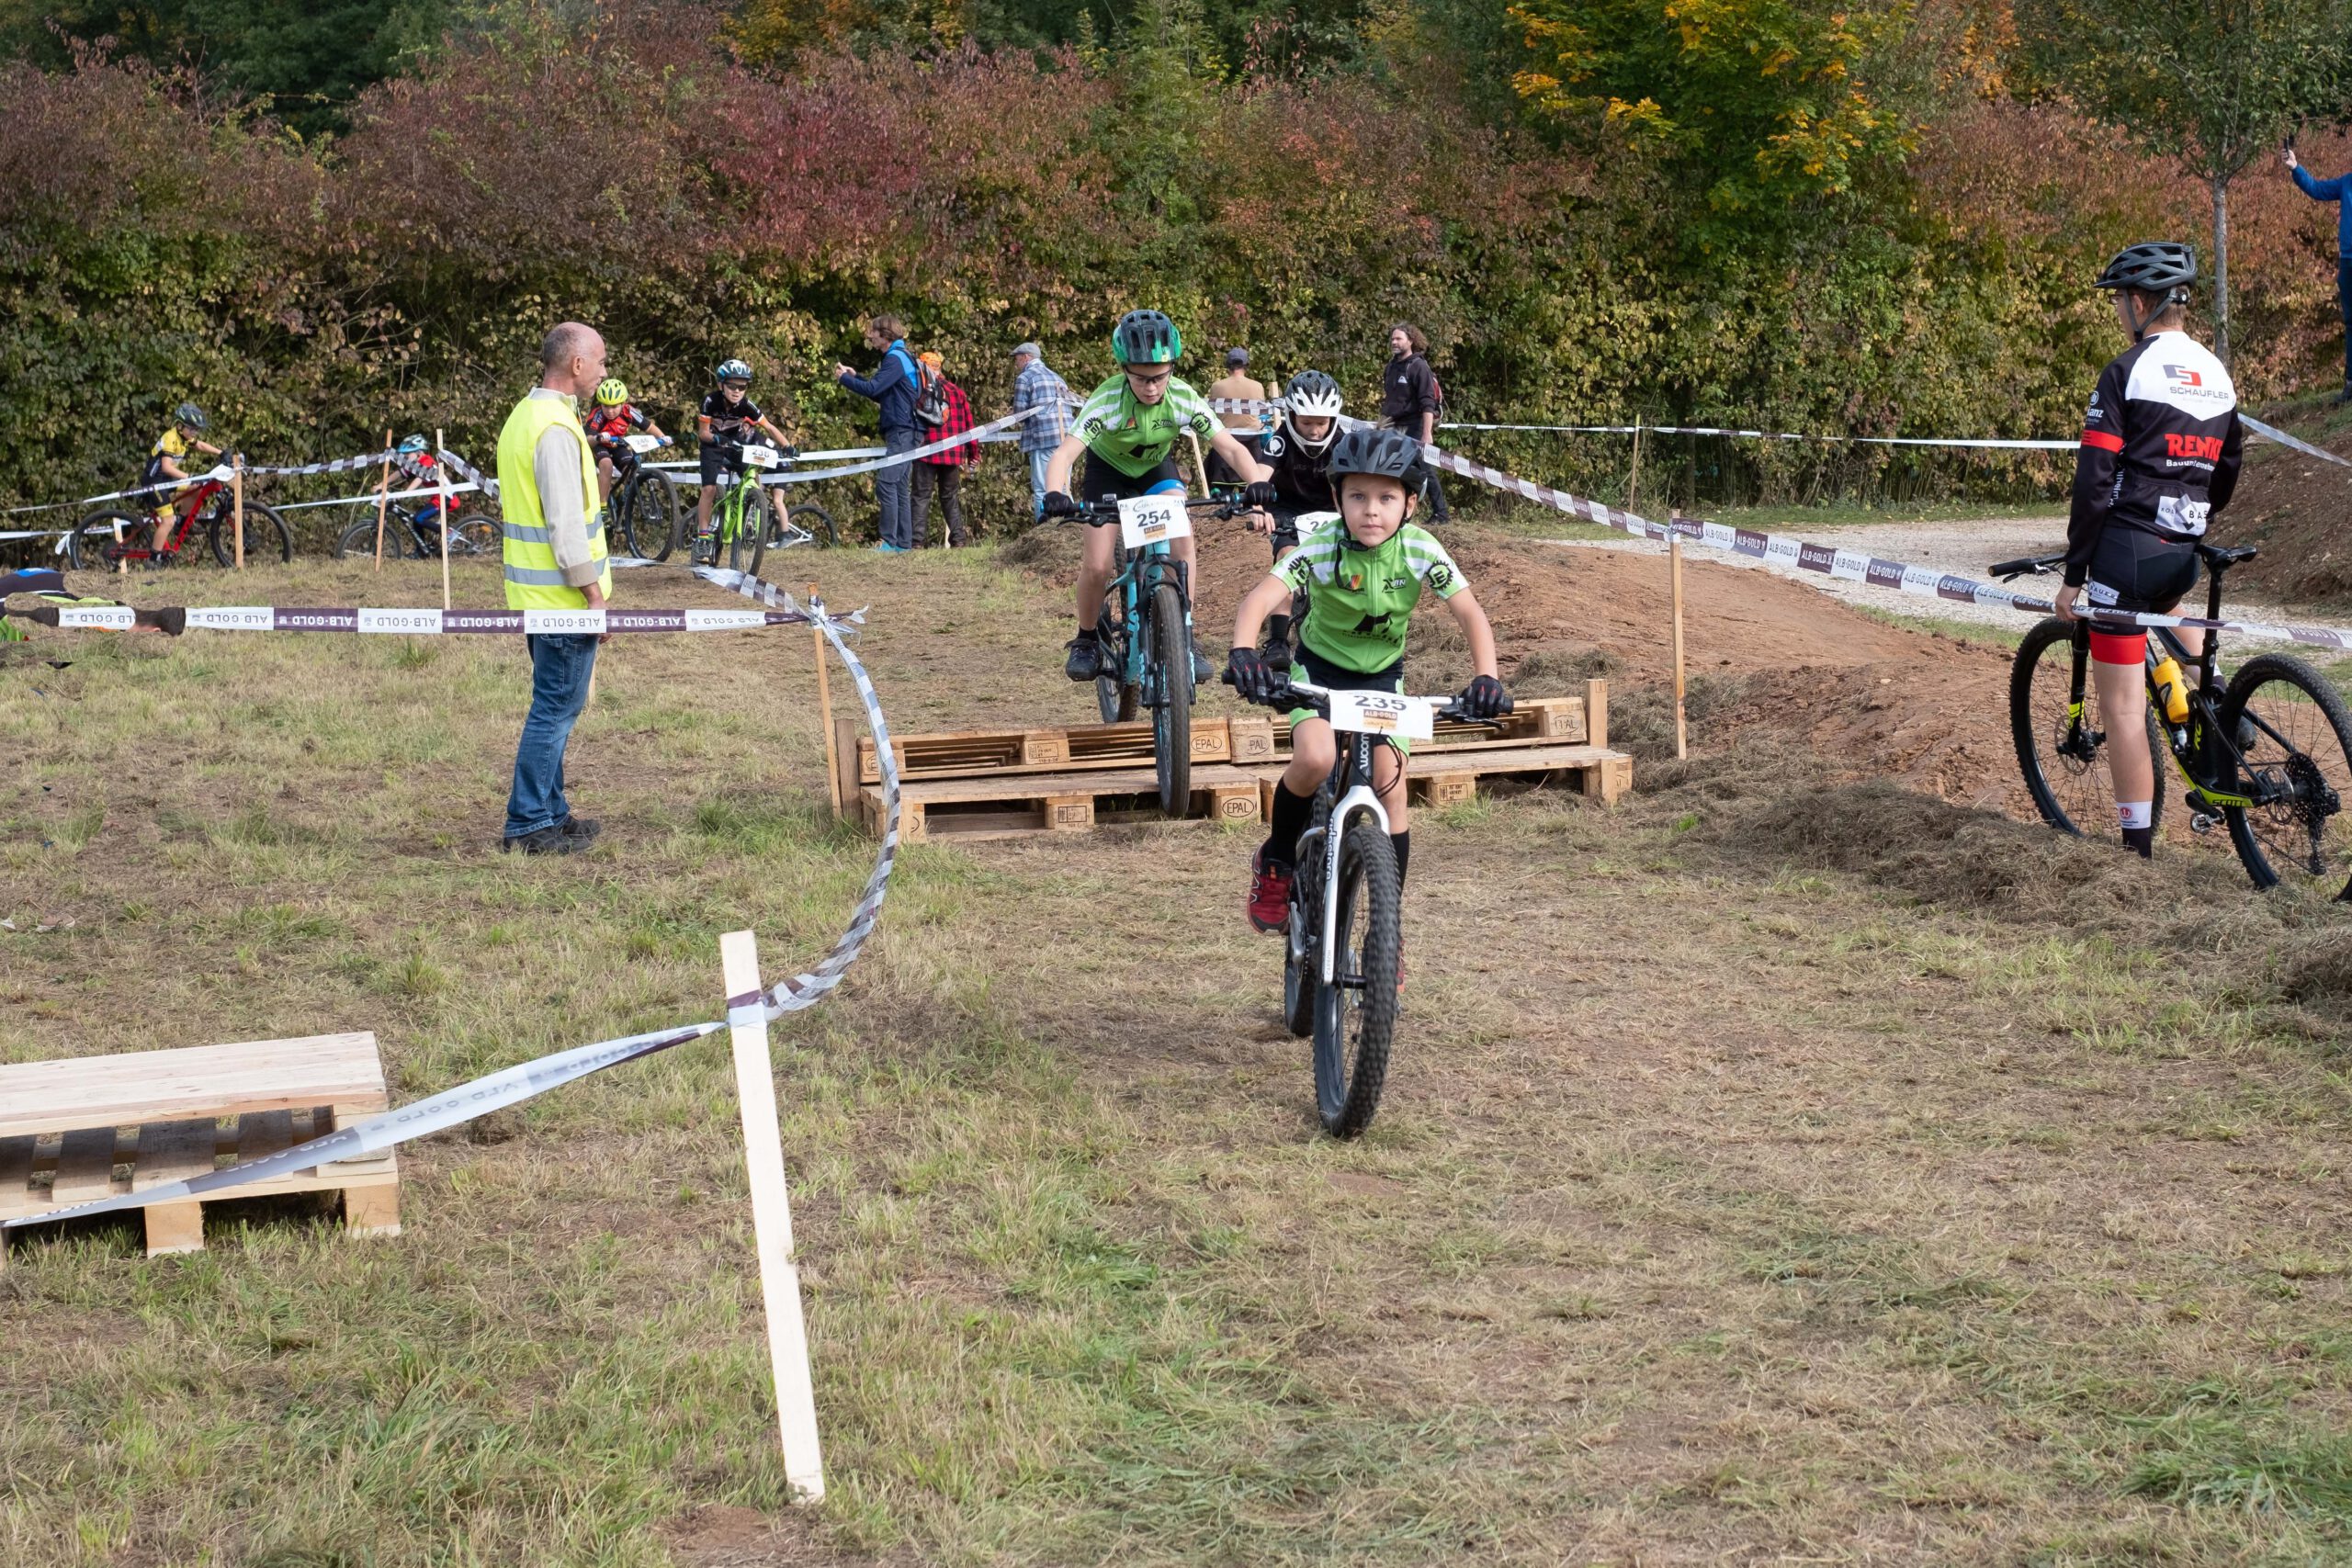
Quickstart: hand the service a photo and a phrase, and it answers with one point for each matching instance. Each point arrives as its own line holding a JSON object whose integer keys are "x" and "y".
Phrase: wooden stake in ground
{"x": 237, "y": 504}
{"x": 441, "y": 471}
{"x": 1633, "y": 479}
{"x": 825, "y": 714}
{"x": 1674, "y": 558}
{"x": 384, "y": 500}
{"x": 1200, "y": 465}
{"x": 795, "y": 1396}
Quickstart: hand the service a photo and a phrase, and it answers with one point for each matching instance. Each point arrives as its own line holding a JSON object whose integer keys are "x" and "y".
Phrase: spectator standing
{"x": 555, "y": 560}
{"x": 2334, "y": 190}
{"x": 1250, "y": 429}
{"x": 1036, "y": 387}
{"x": 1408, "y": 402}
{"x": 943, "y": 472}
{"x": 895, "y": 388}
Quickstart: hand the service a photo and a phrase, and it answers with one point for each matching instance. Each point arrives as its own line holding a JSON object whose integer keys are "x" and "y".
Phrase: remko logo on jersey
{"x": 2196, "y": 448}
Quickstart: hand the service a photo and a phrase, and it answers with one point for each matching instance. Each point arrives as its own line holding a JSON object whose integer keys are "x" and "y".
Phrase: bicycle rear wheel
{"x": 2297, "y": 740}
{"x": 1355, "y": 1016}
{"x": 749, "y": 544}
{"x": 87, "y": 551}
{"x": 473, "y": 535}
{"x": 1171, "y": 714}
{"x": 649, "y": 515}
{"x": 266, "y": 535}
{"x": 2061, "y": 747}
{"x": 818, "y": 522}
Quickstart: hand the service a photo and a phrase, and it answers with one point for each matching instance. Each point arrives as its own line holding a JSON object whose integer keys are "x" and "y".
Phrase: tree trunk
{"x": 2222, "y": 269}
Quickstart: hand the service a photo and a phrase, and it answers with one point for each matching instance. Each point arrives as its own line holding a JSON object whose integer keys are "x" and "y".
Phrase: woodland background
{"x": 322, "y": 220}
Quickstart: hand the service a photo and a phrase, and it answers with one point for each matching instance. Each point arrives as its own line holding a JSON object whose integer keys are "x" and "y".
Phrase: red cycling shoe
{"x": 1269, "y": 893}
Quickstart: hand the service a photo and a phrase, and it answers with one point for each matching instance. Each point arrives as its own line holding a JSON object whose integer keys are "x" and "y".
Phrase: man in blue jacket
{"x": 894, "y": 386}
{"x": 2333, "y": 190}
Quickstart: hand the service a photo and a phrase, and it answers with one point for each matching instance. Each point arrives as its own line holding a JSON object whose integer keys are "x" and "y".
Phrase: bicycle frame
{"x": 1132, "y": 588}
{"x": 1355, "y": 764}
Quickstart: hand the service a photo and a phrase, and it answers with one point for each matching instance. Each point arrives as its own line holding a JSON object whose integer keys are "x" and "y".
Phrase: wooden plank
{"x": 84, "y": 1166}
{"x": 795, "y": 1397}
{"x": 1234, "y": 803}
{"x": 1596, "y": 713}
{"x": 170, "y": 1086}
{"x": 1140, "y": 780}
{"x": 15, "y": 1179}
{"x": 1451, "y": 788}
{"x": 174, "y": 1151}
{"x": 261, "y": 1133}
{"x": 371, "y": 1208}
{"x": 1610, "y": 779}
{"x": 845, "y": 761}
{"x": 1250, "y": 739}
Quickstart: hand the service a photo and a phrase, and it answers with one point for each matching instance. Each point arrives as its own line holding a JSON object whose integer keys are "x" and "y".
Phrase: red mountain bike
{"x": 103, "y": 539}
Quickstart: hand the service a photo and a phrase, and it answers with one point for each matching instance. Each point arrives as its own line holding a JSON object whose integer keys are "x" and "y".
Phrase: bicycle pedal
{"x": 2199, "y": 822}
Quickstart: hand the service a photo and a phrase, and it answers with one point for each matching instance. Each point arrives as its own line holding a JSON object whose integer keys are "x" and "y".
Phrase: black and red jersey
{"x": 610, "y": 426}
{"x": 2161, "y": 446}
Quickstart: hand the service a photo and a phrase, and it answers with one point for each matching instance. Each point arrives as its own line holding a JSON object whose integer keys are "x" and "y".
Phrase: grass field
{"x": 1774, "y": 1170}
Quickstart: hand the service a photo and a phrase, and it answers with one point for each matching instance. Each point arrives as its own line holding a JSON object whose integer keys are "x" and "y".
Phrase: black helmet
{"x": 1147, "y": 337}
{"x": 191, "y": 416}
{"x": 2156, "y": 266}
{"x": 1391, "y": 454}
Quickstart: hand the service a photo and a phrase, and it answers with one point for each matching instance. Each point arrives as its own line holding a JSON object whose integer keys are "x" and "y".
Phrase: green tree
{"x": 2210, "y": 83}
{"x": 1768, "y": 100}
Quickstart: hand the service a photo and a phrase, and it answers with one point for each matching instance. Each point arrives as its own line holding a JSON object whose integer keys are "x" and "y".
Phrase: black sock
{"x": 2143, "y": 840}
{"x": 1403, "y": 844}
{"x": 1291, "y": 812}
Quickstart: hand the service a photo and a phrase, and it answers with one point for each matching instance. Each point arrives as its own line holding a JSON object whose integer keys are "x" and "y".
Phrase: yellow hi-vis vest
{"x": 533, "y": 580}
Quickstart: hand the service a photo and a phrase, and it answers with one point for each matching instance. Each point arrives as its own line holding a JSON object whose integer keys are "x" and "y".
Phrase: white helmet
{"x": 1313, "y": 395}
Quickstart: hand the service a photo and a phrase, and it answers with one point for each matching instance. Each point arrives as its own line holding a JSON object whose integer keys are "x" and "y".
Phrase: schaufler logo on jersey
{"x": 2185, "y": 381}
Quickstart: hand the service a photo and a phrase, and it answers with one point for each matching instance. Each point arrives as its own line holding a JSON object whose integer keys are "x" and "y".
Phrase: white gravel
{"x": 1964, "y": 549}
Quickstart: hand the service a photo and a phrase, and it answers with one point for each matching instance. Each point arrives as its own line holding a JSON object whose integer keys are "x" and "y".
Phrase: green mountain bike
{"x": 2267, "y": 754}
{"x": 743, "y": 513}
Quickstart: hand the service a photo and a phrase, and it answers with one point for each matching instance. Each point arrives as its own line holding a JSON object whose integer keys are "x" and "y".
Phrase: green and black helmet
{"x": 1147, "y": 337}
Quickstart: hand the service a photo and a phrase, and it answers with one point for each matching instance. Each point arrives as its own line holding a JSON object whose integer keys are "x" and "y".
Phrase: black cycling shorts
{"x": 717, "y": 462}
{"x": 1099, "y": 479}
{"x": 2134, "y": 570}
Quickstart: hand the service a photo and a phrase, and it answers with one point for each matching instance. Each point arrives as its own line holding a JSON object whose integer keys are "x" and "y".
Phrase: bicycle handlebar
{"x": 1101, "y": 514}
{"x": 1452, "y": 710}
{"x": 2009, "y": 570}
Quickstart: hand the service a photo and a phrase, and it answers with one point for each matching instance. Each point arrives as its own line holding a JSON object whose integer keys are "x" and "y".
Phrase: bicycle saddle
{"x": 2218, "y": 558}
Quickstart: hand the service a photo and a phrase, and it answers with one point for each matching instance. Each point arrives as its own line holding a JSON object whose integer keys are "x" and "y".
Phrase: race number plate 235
{"x": 1153, "y": 519}
{"x": 1382, "y": 713}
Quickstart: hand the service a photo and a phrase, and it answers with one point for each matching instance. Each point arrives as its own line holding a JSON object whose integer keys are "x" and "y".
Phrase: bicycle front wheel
{"x": 650, "y": 515}
{"x": 358, "y": 541}
{"x": 2061, "y": 746}
{"x": 1355, "y": 1015}
{"x": 749, "y": 544}
{"x": 2292, "y": 729}
{"x": 266, "y": 535}
{"x": 1172, "y": 712}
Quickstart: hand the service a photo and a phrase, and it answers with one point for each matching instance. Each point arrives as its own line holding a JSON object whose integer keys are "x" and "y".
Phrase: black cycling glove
{"x": 1252, "y": 676}
{"x": 1483, "y": 698}
{"x": 1059, "y": 504}
{"x": 1259, "y": 493}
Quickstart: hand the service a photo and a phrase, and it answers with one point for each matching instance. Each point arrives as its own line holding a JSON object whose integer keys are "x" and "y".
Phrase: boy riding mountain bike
{"x": 609, "y": 421}
{"x": 728, "y": 414}
{"x": 1296, "y": 450}
{"x": 183, "y": 435}
{"x": 2161, "y": 450}
{"x": 1127, "y": 432}
{"x": 1363, "y": 571}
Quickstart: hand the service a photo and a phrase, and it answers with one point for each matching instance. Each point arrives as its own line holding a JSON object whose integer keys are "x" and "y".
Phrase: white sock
{"x": 2131, "y": 814}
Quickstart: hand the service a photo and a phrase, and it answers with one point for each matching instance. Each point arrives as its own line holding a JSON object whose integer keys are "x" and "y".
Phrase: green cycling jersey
{"x": 1136, "y": 437}
{"x": 1360, "y": 603}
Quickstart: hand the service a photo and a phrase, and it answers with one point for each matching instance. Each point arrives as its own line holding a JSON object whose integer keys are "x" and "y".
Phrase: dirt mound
{"x": 2296, "y": 508}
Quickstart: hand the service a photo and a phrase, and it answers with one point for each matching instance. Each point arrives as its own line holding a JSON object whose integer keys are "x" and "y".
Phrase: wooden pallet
{"x": 1450, "y": 775}
{"x": 1001, "y": 805}
{"x": 1248, "y": 739}
{"x": 102, "y": 1126}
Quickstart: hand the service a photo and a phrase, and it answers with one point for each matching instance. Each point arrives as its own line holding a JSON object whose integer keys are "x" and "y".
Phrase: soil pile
{"x": 2299, "y": 509}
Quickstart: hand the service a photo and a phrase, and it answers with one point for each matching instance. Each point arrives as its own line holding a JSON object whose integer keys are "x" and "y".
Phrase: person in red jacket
{"x": 943, "y": 472}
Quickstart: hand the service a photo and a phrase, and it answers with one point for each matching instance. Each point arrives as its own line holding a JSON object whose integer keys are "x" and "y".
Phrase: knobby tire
{"x": 263, "y": 525}
{"x": 1172, "y": 720}
{"x": 1354, "y": 1026}
{"x": 2303, "y": 743}
{"x": 2073, "y": 794}
{"x": 650, "y": 514}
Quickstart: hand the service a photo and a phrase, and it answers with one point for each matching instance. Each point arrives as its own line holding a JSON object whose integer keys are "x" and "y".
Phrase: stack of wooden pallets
{"x": 997, "y": 783}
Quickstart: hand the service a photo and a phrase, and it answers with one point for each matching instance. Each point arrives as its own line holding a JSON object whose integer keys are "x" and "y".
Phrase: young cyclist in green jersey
{"x": 1127, "y": 431}
{"x": 1363, "y": 571}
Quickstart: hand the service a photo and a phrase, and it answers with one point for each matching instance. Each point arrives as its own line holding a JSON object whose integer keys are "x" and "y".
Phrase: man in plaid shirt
{"x": 943, "y": 472}
{"x": 1033, "y": 385}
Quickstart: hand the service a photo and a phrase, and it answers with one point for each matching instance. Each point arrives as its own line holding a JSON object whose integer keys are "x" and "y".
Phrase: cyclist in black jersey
{"x": 1297, "y": 449}
{"x": 728, "y": 418}
{"x": 2161, "y": 450}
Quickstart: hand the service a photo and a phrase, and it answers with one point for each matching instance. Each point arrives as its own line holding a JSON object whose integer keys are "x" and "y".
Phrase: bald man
{"x": 554, "y": 562}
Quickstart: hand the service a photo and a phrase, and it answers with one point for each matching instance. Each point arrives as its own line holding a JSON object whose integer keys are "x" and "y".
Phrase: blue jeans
{"x": 1039, "y": 460}
{"x": 559, "y": 670}
{"x": 893, "y": 488}
{"x": 2344, "y": 303}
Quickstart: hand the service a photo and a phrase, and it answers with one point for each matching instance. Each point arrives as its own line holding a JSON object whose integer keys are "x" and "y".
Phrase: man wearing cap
{"x": 1035, "y": 386}
{"x": 1248, "y": 428}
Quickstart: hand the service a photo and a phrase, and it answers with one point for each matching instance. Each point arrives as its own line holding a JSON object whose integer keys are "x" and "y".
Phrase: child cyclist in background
{"x": 2160, "y": 455}
{"x": 1127, "y": 432}
{"x": 1295, "y": 450}
{"x": 183, "y": 435}
{"x": 610, "y": 421}
{"x": 1363, "y": 573}
{"x": 727, "y": 414}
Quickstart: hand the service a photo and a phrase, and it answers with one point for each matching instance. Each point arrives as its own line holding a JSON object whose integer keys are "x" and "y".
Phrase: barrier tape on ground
{"x": 525, "y": 1080}
{"x": 1853, "y": 565}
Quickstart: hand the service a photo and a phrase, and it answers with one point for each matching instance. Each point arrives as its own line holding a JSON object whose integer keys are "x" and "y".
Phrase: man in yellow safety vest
{"x": 555, "y": 560}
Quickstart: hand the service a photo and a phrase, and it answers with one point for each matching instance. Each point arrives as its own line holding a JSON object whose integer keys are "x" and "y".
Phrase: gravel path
{"x": 1965, "y": 549}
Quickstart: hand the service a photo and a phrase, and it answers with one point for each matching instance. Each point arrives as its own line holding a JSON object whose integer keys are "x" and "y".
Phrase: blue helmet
{"x": 412, "y": 445}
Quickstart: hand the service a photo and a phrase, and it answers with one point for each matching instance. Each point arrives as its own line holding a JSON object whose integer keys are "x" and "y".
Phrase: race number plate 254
{"x": 1153, "y": 519}
{"x": 1382, "y": 713}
